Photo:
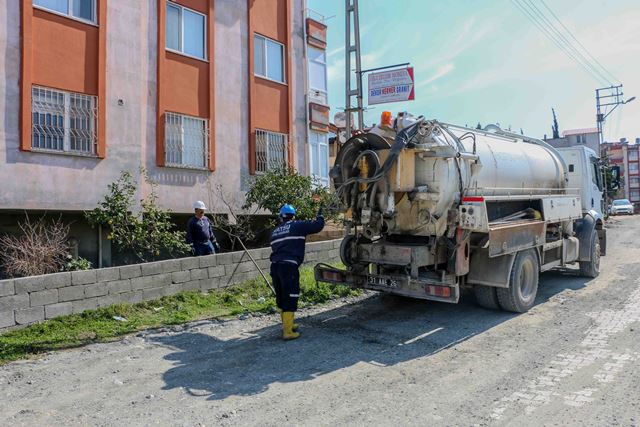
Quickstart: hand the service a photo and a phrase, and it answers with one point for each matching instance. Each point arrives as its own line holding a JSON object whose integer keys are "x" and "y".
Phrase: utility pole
{"x": 606, "y": 97}
{"x": 351, "y": 18}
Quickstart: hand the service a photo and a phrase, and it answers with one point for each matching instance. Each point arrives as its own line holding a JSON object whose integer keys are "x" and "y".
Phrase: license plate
{"x": 387, "y": 282}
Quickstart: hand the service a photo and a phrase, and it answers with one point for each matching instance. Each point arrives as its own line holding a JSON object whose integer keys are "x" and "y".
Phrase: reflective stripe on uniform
{"x": 282, "y": 239}
{"x": 294, "y": 295}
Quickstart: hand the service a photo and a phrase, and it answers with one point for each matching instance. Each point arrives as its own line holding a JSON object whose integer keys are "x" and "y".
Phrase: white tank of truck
{"x": 440, "y": 164}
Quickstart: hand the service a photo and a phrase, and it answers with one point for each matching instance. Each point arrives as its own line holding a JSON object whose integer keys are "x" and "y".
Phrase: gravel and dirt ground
{"x": 574, "y": 359}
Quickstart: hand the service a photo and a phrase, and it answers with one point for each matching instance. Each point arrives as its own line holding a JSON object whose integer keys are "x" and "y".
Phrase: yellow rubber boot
{"x": 287, "y": 326}
{"x": 295, "y": 325}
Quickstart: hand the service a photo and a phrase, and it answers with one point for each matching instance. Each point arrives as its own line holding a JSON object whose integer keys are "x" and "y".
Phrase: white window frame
{"x": 168, "y": 117}
{"x": 266, "y": 61}
{"x": 635, "y": 169}
{"x": 70, "y": 15}
{"x": 270, "y": 137}
{"x": 92, "y": 132}
{"x": 181, "y": 32}
{"x": 322, "y": 180}
{"x": 324, "y": 64}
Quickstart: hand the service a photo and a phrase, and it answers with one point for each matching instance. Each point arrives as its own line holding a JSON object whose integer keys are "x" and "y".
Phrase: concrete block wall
{"x": 32, "y": 299}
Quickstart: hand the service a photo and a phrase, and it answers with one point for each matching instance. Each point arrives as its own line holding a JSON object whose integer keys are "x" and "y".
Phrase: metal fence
{"x": 64, "y": 121}
{"x": 186, "y": 141}
{"x": 271, "y": 150}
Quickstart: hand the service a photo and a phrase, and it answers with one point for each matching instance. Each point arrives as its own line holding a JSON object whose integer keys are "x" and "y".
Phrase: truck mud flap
{"x": 488, "y": 271}
{"x": 393, "y": 284}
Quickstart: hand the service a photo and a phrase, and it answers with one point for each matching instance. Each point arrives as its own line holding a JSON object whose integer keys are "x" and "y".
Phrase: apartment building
{"x": 195, "y": 92}
{"x": 588, "y": 137}
{"x": 627, "y": 157}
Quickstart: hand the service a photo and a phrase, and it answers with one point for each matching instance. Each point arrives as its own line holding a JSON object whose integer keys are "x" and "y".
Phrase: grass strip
{"x": 99, "y": 325}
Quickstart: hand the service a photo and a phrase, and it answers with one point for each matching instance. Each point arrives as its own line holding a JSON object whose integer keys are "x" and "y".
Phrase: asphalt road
{"x": 574, "y": 359}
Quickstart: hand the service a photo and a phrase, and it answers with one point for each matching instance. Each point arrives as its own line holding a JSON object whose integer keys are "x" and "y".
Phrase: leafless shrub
{"x": 237, "y": 224}
{"x": 42, "y": 248}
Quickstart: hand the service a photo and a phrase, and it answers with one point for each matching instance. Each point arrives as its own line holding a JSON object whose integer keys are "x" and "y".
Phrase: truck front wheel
{"x": 591, "y": 268}
{"x": 520, "y": 296}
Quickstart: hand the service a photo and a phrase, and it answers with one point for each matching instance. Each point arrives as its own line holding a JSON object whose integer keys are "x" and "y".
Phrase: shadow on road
{"x": 381, "y": 330}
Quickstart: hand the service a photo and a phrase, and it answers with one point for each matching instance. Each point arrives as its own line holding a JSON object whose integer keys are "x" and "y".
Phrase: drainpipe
{"x": 99, "y": 245}
{"x": 306, "y": 88}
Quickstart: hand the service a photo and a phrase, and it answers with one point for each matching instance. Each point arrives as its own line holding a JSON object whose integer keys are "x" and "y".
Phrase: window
{"x": 319, "y": 157}
{"x": 595, "y": 173}
{"x": 633, "y": 155}
{"x": 186, "y": 141}
{"x": 271, "y": 150}
{"x": 317, "y": 69}
{"x": 268, "y": 58}
{"x": 634, "y": 181}
{"x": 633, "y": 168}
{"x": 63, "y": 121}
{"x": 186, "y": 31}
{"x": 80, "y": 9}
{"x": 634, "y": 195}
{"x": 571, "y": 168}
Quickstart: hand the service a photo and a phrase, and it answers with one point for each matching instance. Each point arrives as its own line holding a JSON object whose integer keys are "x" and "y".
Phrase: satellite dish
{"x": 492, "y": 128}
{"x": 340, "y": 120}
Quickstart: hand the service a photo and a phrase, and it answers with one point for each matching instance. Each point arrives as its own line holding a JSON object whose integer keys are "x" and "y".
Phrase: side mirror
{"x": 615, "y": 177}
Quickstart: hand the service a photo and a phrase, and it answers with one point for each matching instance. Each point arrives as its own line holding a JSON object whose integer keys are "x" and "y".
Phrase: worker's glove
{"x": 216, "y": 246}
{"x": 193, "y": 249}
{"x": 319, "y": 212}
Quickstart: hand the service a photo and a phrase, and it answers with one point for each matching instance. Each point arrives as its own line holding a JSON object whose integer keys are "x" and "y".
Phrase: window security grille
{"x": 64, "y": 121}
{"x": 186, "y": 141}
{"x": 271, "y": 150}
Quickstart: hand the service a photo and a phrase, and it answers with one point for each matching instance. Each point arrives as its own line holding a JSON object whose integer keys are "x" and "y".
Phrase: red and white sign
{"x": 391, "y": 86}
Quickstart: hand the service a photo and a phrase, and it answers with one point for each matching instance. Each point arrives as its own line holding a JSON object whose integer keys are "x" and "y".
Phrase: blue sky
{"x": 483, "y": 61}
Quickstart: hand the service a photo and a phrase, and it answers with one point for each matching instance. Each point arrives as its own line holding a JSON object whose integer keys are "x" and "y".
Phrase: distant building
{"x": 576, "y": 137}
{"x": 627, "y": 157}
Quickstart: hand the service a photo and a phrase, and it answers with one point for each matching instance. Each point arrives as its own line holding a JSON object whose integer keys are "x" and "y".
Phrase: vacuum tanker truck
{"x": 430, "y": 208}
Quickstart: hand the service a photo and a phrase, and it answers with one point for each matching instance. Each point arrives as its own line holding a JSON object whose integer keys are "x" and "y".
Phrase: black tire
{"x": 520, "y": 296}
{"x": 591, "y": 268}
{"x": 486, "y": 297}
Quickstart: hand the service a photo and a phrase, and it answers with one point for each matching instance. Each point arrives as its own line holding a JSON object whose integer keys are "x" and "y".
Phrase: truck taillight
{"x": 332, "y": 276}
{"x": 439, "y": 291}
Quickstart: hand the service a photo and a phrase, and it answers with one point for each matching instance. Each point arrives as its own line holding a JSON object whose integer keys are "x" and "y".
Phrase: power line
{"x": 535, "y": 21}
{"x": 551, "y": 36}
{"x": 544, "y": 3}
{"x": 566, "y": 41}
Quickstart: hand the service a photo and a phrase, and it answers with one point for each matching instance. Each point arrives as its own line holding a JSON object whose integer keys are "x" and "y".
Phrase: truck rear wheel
{"x": 520, "y": 296}
{"x": 486, "y": 297}
{"x": 591, "y": 268}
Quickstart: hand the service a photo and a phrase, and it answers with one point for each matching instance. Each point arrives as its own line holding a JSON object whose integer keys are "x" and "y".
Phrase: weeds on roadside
{"x": 99, "y": 325}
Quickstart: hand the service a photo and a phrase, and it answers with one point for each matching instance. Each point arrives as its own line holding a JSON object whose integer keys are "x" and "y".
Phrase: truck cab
{"x": 584, "y": 174}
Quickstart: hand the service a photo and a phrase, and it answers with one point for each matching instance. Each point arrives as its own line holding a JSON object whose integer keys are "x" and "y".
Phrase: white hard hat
{"x": 199, "y": 205}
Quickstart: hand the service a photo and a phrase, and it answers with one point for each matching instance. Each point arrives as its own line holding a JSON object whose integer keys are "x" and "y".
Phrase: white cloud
{"x": 440, "y": 72}
{"x": 335, "y": 51}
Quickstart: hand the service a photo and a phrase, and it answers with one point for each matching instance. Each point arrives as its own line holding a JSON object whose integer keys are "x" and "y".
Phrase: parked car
{"x": 621, "y": 206}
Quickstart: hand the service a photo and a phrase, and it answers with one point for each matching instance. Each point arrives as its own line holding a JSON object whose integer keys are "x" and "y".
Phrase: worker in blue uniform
{"x": 200, "y": 232}
{"x": 287, "y": 254}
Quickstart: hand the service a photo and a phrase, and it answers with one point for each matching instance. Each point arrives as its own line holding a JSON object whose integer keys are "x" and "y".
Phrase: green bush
{"x": 146, "y": 235}
{"x": 77, "y": 264}
{"x": 277, "y": 187}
